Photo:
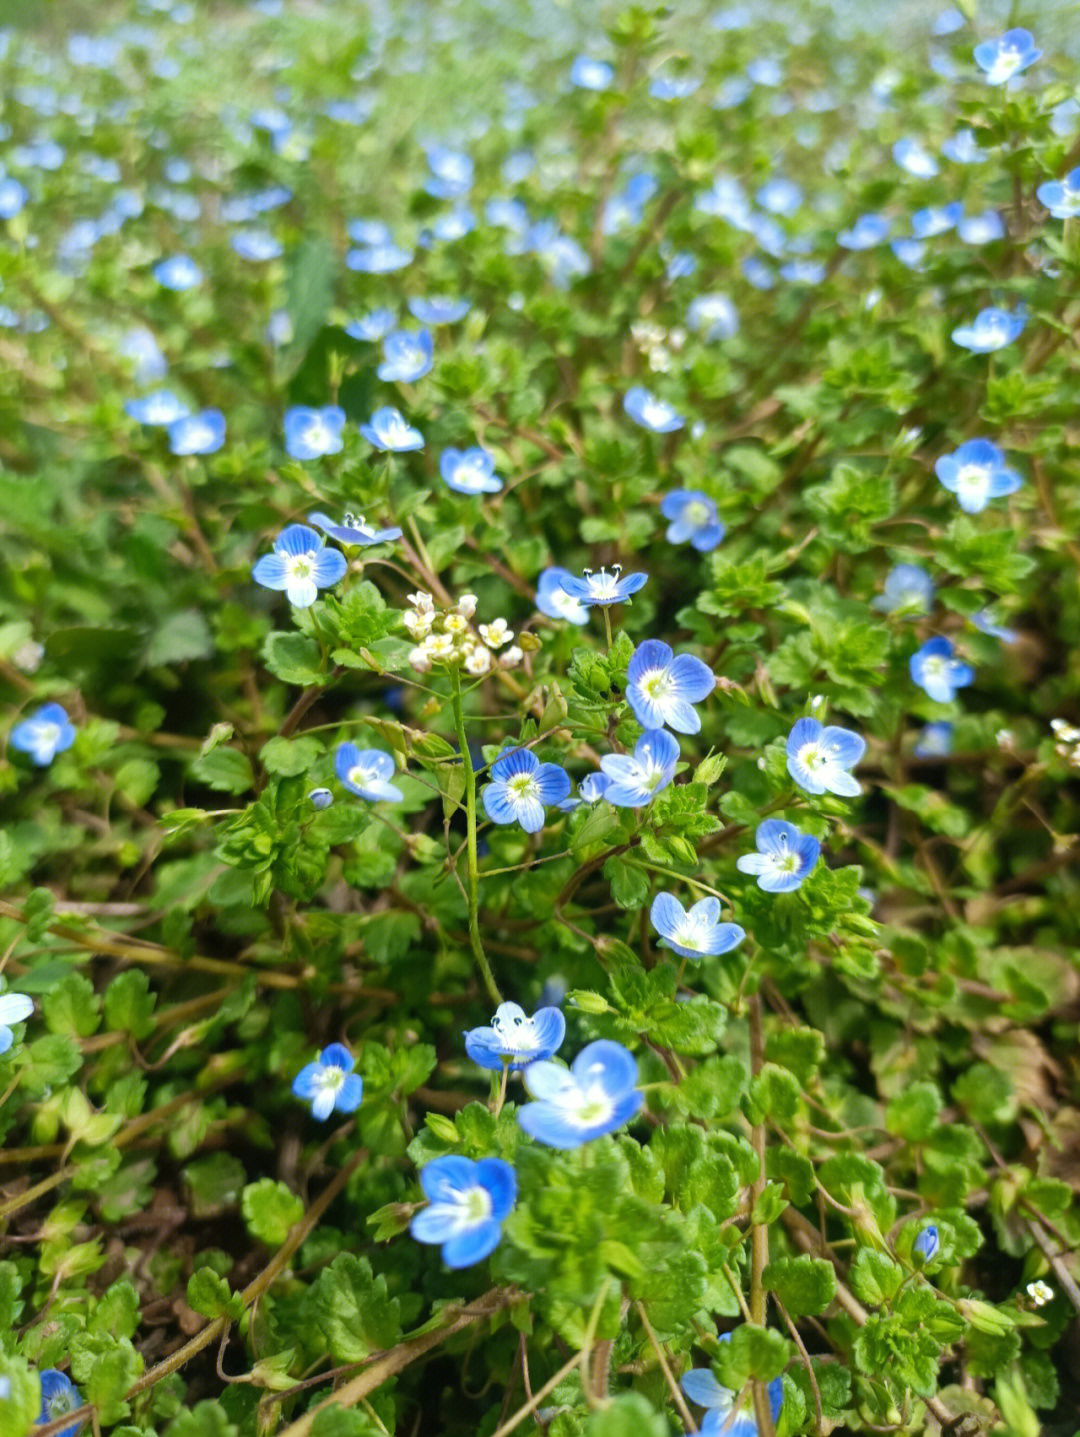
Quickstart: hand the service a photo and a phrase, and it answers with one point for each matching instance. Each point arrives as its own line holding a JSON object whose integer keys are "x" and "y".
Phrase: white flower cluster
{"x": 658, "y": 343}
{"x": 1040, "y": 1293}
{"x": 446, "y": 636}
{"x": 1068, "y": 741}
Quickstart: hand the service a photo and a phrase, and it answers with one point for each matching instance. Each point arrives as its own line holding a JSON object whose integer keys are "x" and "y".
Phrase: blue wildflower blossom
{"x": 701, "y": 1387}
{"x": 369, "y": 232}
{"x": 991, "y": 329}
{"x": 469, "y": 471}
{"x": 258, "y": 246}
{"x": 1061, "y": 197}
{"x": 373, "y": 326}
{"x": 662, "y": 689}
{"x": 948, "y": 22}
{"x": 934, "y": 669}
{"x": 178, "y": 272}
{"x": 467, "y": 1205}
{"x": 908, "y": 590}
{"x": 693, "y": 517}
{"x": 44, "y": 734}
{"x": 14, "y": 1008}
{"x": 963, "y": 149}
{"x": 985, "y": 622}
{"x": 202, "y": 433}
{"x": 603, "y": 588}
{"x": 378, "y": 259}
{"x": 438, "y": 309}
{"x": 1006, "y": 56}
{"x": 451, "y": 172}
{"x": 320, "y": 798}
{"x": 867, "y": 231}
{"x": 911, "y": 155}
{"x": 635, "y": 779}
{"x": 806, "y": 271}
{"x": 785, "y": 856}
{"x": 589, "y": 74}
{"x": 673, "y": 87}
{"x": 311, "y": 433}
{"x": 407, "y": 355}
{"x": 329, "y": 1084}
{"x": 514, "y": 1039}
{"x": 300, "y": 565}
{"x": 596, "y": 1095}
{"x": 935, "y": 741}
{"x": 13, "y": 197}
{"x": 521, "y": 787}
{"x": 981, "y": 229}
{"x": 160, "y": 408}
{"x": 936, "y": 219}
{"x": 924, "y": 1248}
{"x": 388, "y": 430}
{"x": 367, "y": 773}
{"x": 593, "y": 787}
{"x": 554, "y": 601}
{"x": 713, "y": 316}
{"x": 977, "y": 473}
{"x": 695, "y": 933}
{"x": 651, "y": 413}
{"x": 353, "y": 529}
{"x": 818, "y": 758}
{"x": 757, "y": 272}
{"x": 59, "y": 1396}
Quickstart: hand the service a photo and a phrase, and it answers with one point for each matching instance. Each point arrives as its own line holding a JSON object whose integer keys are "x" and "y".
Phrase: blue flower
{"x": 369, "y": 232}
{"x": 908, "y": 590}
{"x": 963, "y": 149}
{"x": 935, "y": 741}
{"x": 329, "y": 1083}
{"x": 757, "y": 272}
{"x": 714, "y": 316}
{"x": 44, "y": 734}
{"x": 784, "y": 858}
{"x": 977, "y": 473}
{"x": 353, "y": 529}
{"x": 948, "y": 22}
{"x": 300, "y": 565}
{"x": 596, "y": 1095}
{"x": 311, "y": 433}
{"x": 662, "y": 689}
{"x": 678, "y": 87}
{"x": 256, "y": 245}
{"x": 981, "y": 229}
{"x": 701, "y": 1387}
{"x": 521, "y": 787}
{"x": 680, "y": 266}
{"x": 467, "y": 1204}
{"x": 693, "y": 517}
{"x": 372, "y": 327}
{"x": 936, "y": 219}
{"x": 911, "y": 155}
{"x": 59, "y": 1396}
{"x": 818, "y": 758}
{"x": 589, "y": 74}
{"x": 407, "y": 355}
{"x": 1006, "y": 56}
{"x": 451, "y": 173}
{"x": 991, "y": 329}
{"x": 179, "y": 272}
{"x": 320, "y": 798}
{"x": 603, "y": 588}
{"x": 388, "y": 431}
{"x": 651, "y": 413}
{"x": 202, "y": 433}
{"x": 469, "y": 471}
{"x": 867, "y": 231}
{"x": 593, "y": 787}
{"x": 553, "y": 600}
{"x": 635, "y": 779}
{"x": 515, "y": 1040}
{"x": 160, "y": 408}
{"x": 924, "y": 1248}
{"x": 695, "y": 933}
{"x": 16, "y": 1008}
{"x": 1062, "y": 197}
{"x": 438, "y": 309}
{"x": 378, "y": 259}
{"x": 936, "y": 671}
{"x": 780, "y": 196}
{"x": 367, "y": 773}
{"x": 985, "y": 622}
{"x": 13, "y": 197}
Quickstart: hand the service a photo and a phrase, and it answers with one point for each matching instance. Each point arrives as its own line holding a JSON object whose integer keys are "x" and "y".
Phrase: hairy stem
{"x": 472, "y": 861}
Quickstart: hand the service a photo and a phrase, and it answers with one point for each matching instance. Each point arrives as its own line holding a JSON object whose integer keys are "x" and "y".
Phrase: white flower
{"x": 422, "y": 601}
{"x": 420, "y": 661}
{"x": 511, "y": 657}
{"x": 478, "y": 662}
{"x": 418, "y": 622}
{"x": 1040, "y": 1292}
{"x": 455, "y": 623}
{"x": 466, "y": 605}
{"x": 439, "y": 646}
{"x": 496, "y": 633}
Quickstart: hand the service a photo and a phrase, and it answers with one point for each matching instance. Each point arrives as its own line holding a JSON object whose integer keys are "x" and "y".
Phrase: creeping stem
{"x": 473, "y": 874}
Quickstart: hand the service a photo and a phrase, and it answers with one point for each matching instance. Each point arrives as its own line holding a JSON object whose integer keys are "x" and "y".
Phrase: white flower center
{"x": 331, "y": 1079}
{"x": 971, "y": 477}
{"x": 697, "y": 513}
{"x": 523, "y": 786}
{"x": 299, "y": 566}
{"x": 592, "y": 1106}
{"x": 360, "y": 777}
{"x": 811, "y": 756}
{"x": 657, "y": 683}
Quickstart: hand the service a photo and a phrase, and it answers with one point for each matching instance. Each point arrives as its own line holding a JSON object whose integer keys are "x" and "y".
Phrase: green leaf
{"x": 912, "y": 1114}
{"x": 72, "y": 1007}
{"x": 210, "y": 1295}
{"x": 270, "y": 1210}
{"x": 226, "y": 770}
{"x": 293, "y": 658}
{"x": 184, "y": 635}
{"x": 629, "y": 885}
{"x": 205, "y": 1419}
{"x": 757, "y": 1352}
{"x": 874, "y": 1277}
{"x": 287, "y": 757}
{"x": 805, "y": 1285}
{"x": 129, "y": 1004}
{"x": 353, "y": 1309}
{"x": 22, "y": 1400}
{"x": 629, "y": 1414}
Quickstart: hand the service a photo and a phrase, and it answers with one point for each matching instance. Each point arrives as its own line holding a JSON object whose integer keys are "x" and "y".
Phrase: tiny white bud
{"x": 28, "y": 656}
{"x": 421, "y": 601}
{"x": 467, "y": 605}
{"x": 420, "y": 661}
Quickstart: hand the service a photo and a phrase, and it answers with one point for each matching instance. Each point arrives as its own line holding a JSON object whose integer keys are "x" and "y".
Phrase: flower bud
{"x": 528, "y": 643}
{"x": 511, "y": 657}
{"x": 420, "y": 661}
{"x": 466, "y": 605}
{"x": 924, "y": 1248}
{"x": 320, "y": 798}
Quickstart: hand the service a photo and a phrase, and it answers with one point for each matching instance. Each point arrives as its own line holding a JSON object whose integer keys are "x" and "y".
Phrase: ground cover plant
{"x": 541, "y": 758}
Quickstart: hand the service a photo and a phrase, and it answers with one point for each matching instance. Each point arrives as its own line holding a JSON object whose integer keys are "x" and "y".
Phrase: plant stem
{"x": 472, "y": 861}
{"x": 607, "y": 626}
